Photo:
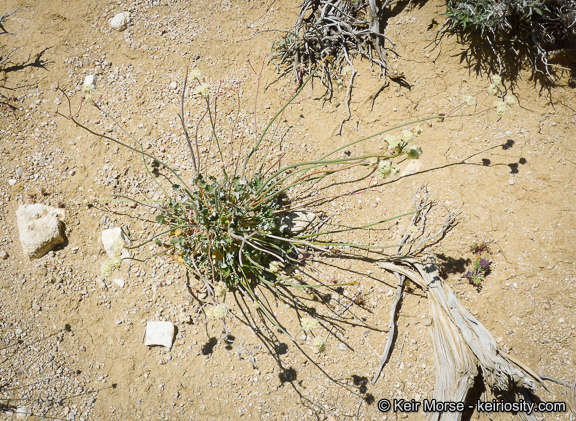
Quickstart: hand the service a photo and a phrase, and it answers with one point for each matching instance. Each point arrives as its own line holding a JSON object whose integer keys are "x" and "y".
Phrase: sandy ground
{"x": 72, "y": 342}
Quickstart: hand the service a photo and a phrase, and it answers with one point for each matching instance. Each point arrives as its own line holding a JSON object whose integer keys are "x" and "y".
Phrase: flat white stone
{"x": 159, "y": 333}
{"x": 120, "y": 21}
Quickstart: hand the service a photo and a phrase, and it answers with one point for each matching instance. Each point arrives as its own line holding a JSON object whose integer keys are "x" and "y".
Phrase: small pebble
{"x": 173, "y": 85}
{"x": 3, "y": 255}
{"x": 12, "y": 182}
{"x": 120, "y": 282}
{"x": 342, "y": 346}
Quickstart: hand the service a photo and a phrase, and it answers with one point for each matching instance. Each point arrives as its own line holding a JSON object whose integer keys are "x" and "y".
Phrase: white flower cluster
{"x": 203, "y": 90}
{"x": 319, "y": 344}
{"x": 195, "y": 74}
{"x": 502, "y": 106}
{"x": 218, "y": 312}
{"x": 87, "y": 88}
{"x": 274, "y": 267}
{"x": 110, "y": 265}
{"x": 309, "y": 324}
{"x": 116, "y": 261}
{"x": 469, "y": 100}
{"x": 220, "y": 289}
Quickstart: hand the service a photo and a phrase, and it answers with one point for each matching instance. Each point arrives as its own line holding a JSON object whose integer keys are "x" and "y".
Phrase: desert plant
{"x": 233, "y": 228}
{"x": 543, "y": 26}
{"x": 5, "y": 98}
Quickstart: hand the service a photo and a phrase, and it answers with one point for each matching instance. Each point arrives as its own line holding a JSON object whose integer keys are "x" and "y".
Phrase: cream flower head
{"x": 469, "y": 100}
{"x": 309, "y": 324}
{"x": 493, "y": 89}
{"x": 217, "y": 312}
{"x": 407, "y": 135}
{"x": 203, "y": 90}
{"x": 220, "y": 289}
{"x": 195, "y": 74}
{"x": 319, "y": 344}
{"x": 500, "y": 108}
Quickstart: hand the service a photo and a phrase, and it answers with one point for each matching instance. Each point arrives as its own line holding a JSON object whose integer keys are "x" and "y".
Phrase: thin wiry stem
{"x": 184, "y": 126}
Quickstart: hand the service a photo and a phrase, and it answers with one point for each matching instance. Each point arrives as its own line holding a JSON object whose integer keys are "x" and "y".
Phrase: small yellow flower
{"x": 493, "y": 89}
{"x": 469, "y": 100}
{"x": 109, "y": 266}
{"x": 392, "y": 141}
{"x": 220, "y": 289}
{"x": 417, "y": 130}
{"x": 309, "y": 324}
{"x": 510, "y": 100}
{"x": 407, "y": 135}
{"x": 117, "y": 247}
{"x": 500, "y": 108}
{"x": 203, "y": 90}
{"x": 346, "y": 70}
{"x": 195, "y": 74}
{"x": 384, "y": 168}
{"x": 274, "y": 267}
{"x": 319, "y": 344}
{"x": 496, "y": 80}
{"x": 217, "y": 312}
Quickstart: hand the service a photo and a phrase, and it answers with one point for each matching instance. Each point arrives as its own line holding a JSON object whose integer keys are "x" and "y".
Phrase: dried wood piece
{"x": 463, "y": 347}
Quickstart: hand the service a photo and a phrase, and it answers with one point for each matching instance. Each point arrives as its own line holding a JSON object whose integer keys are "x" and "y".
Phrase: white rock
{"x": 120, "y": 282}
{"x": 412, "y": 168}
{"x": 159, "y": 333}
{"x": 21, "y": 412}
{"x": 12, "y": 182}
{"x": 40, "y": 228}
{"x": 90, "y": 81}
{"x": 120, "y": 21}
{"x": 297, "y": 221}
{"x": 173, "y": 85}
{"x": 109, "y": 237}
{"x": 3, "y": 255}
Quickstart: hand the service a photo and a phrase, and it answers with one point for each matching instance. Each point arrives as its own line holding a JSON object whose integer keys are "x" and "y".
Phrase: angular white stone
{"x": 120, "y": 21}
{"x": 109, "y": 237}
{"x": 159, "y": 333}
{"x": 21, "y": 412}
{"x": 40, "y": 228}
{"x": 412, "y": 168}
{"x": 90, "y": 81}
{"x": 120, "y": 282}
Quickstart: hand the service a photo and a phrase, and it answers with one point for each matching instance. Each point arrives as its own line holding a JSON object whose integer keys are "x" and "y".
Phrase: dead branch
{"x": 339, "y": 29}
{"x": 463, "y": 347}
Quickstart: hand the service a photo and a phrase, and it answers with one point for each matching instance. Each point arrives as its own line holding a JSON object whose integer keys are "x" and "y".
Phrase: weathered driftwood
{"x": 463, "y": 347}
